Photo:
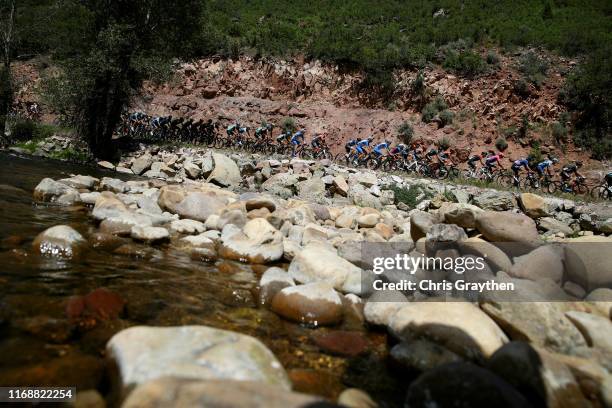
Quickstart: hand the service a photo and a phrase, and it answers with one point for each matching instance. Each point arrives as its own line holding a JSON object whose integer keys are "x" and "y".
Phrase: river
{"x": 39, "y": 345}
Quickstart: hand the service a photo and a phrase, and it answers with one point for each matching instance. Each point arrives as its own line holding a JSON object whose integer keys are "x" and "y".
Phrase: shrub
{"x": 492, "y": 58}
{"x": 410, "y": 196}
{"x": 533, "y": 68}
{"x": 406, "y": 132}
{"x": 467, "y": 64}
{"x": 417, "y": 86}
{"x": 444, "y": 143}
{"x": 521, "y": 88}
{"x": 524, "y": 128}
{"x": 446, "y": 117}
{"x": 440, "y": 104}
{"x": 559, "y": 132}
{"x": 535, "y": 155}
{"x": 23, "y": 129}
{"x": 429, "y": 112}
{"x": 288, "y": 124}
{"x": 501, "y": 144}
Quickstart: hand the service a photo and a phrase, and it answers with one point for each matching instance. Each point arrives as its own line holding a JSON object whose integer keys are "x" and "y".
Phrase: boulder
{"x": 53, "y": 191}
{"x": 368, "y": 220}
{"x": 462, "y": 385}
{"x": 314, "y": 303}
{"x": 587, "y": 261}
{"x": 382, "y": 306}
{"x": 356, "y": 398}
{"x": 108, "y": 205}
{"x": 533, "y": 205}
{"x": 59, "y": 241}
{"x": 463, "y": 215}
{"x": 508, "y": 227}
{"x": 149, "y": 234}
{"x": 317, "y": 263}
{"x": 180, "y": 392}
{"x": 142, "y": 164}
{"x": 443, "y": 236}
{"x": 192, "y": 170}
{"x": 257, "y": 242}
{"x": 199, "y": 205}
{"x": 340, "y": 185}
{"x": 273, "y": 281}
{"x": 80, "y": 182}
{"x": 494, "y": 200}
{"x": 596, "y": 330}
{"x": 226, "y": 172}
{"x": 495, "y": 257}
{"x": 144, "y": 353}
{"x": 114, "y": 185}
{"x": 545, "y": 262}
{"x": 186, "y": 226}
{"x": 422, "y": 355}
{"x": 106, "y": 165}
{"x": 420, "y": 223}
{"x": 282, "y": 185}
{"x": 312, "y": 189}
{"x": 554, "y": 226}
{"x": 458, "y": 326}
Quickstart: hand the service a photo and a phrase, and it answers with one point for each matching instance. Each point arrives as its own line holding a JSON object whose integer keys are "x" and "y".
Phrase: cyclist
{"x": 233, "y": 128}
{"x": 399, "y": 149}
{"x": 566, "y": 174}
{"x": 476, "y": 158}
{"x": 363, "y": 146}
{"x": 386, "y": 145}
{"x": 297, "y": 139}
{"x": 608, "y": 179}
{"x": 545, "y": 166}
{"x": 493, "y": 160}
{"x": 444, "y": 157}
{"x": 317, "y": 142}
{"x": 516, "y": 168}
{"x": 350, "y": 145}
{"x": 284, "y": 137}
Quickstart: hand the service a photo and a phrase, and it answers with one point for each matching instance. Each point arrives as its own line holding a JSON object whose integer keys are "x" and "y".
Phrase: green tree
{"x": 7, "y": 20}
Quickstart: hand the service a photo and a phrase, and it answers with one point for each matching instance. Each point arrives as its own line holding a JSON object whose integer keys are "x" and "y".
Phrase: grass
{"x": 411, "y": 195}
{"x": 30, "y": 145}
{"x": 71, "y": 155}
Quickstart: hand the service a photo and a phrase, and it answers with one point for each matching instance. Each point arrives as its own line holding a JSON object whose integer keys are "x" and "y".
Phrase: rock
{"x": 282, "y": 185}
{"x": 108, "y": 206}
{"x": 59, "y": 241}
{"x": 495, "y": 257}
{"x": 420, "y": 223}
{"x": 342, "y": 342}
{"x": 356, "y": 398}
{"x": 602, "y": 299}
{"x": 316, "y": 263}
{"x": 525, "y": 321}
{"x": 112, "y": 184}
{"x": 123, "y": 170}
{"x": 382, "y": 306}
{"x": 258, "y": 242}
{"x": 494, "y": 200}
{"x": 368, "y": 220}
{"x": 367, "y": 179}
{"x": 104, "y": 242}
{"x": 180, "y": 392}
{"x": 351, "y": 251}
{"x": 462, "y": 385}
{"x": 53, "y": 191}
{"x": 144, "y": 353}
{"x": 142, "y": 164}
{"x": 537, "y": 374}
{"x": 253, "y": 201}
{"x": 587, "y": 261}
{"x": 149, "y": 234}
{"x": 458, "y": 326}
{"x": 545, "y": 262}
{"x": 508, "y": 227}
{"x": 443, "y": 236}
{"x": 463, "y": 215}
{"x": 89, "y": 198}
{"x": 604, "y": 226}
{"x": 422, "y": 355}
{"x": 186, "y": 226}
{"x": 273, "y": 281}
{"x": 199, "y": 205}
{"x": 89, "y": 399}
{"x": 225, "y": 173}
{"x": 158, "y": 169}
{"x": 122, "y": 223}
{"x": 340, "y": 185}
{"x": 533, "y": 205}
{"x": 596, "y": 330}
{"x": 553, "y": 225}
{"x": 192, "y": 170}
{"x": 106, "y": 165}
{"x": 80, "y": 182}
{"x": 100, "y": 304}
{"x": 312, "y": 189}
{"x": 198, "y": 241}
{"x": 314, "y": 303}
{"x": 363, "y": 198}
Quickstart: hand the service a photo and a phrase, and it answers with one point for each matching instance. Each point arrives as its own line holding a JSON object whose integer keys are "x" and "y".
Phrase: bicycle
{"x": 603, "y": 191}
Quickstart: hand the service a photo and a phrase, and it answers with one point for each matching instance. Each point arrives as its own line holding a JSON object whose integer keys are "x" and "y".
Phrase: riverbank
{"x": 302, "y": 226}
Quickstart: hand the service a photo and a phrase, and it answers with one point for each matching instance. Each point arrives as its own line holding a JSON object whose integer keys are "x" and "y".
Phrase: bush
{"x": 533, "y": 68}
{"x": 501, "y": 144}
{"x": 467, "y": 64}
{"x": 429, "y": 112}
{"x": 535, "y": 155}
{"x": 444, "y": 143}
{"x": 440, "y": 104}
{"x": 559, "y": 132}
{"x": 410, "y": 196}
{"x": 22, "y": 130}
{"x": 492, "y": 58}
{"x": 288, "y": 124}
{"x": 406, "y": 132}
{"x": 521, "y": 88}
{"x": 446, "y": 117}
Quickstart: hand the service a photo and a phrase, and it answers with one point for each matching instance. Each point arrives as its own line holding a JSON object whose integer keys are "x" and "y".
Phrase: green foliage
{"x": 22, "y": 129}
{"x": 71, "y": 155}
{"x": 521, "y": 88}
{"x": 410, "y": 196}
{"x": 587, "y": 91}
{"x": 559, "y": 132}
{"x": 430, "y": 110}
{"x": 288, "y": 124}
{"x": 406, "y": 132}
{"x": 446, "y": 116}
{"x": 533, "y": 68}
{"x": 492, "y": 58}
{"x": 444, "y": 143}
{"x": 465, "y": 63}
{"x": 523, "y": 130}
{"x": 417, "y": 86}
{"x": 30, "y": 145}
{"x": 535, "y": 155}
{"x": 501, "y": 144}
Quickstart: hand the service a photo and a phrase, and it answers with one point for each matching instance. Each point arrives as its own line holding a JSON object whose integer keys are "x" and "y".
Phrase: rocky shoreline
{"x": 315, "y": 217}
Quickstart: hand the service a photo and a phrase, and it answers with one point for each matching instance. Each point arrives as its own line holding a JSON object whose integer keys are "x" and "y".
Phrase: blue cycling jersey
{"x": 544, "y": 164}
{"x": 520, "y": 163}
{"x": 381, "y": 146}
{"x": 351, "y": 142}
{"x": 298, "y": 137}
{"x": 363, "y": 143}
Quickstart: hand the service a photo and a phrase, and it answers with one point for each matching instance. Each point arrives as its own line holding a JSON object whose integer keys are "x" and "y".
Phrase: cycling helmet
{"x": 388, "y": 142}
{"x": 555, "y": 160}
{"x": 578, "y": 163}
{"x": 269, "y": 126}
{"x": 370, "y": 138}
